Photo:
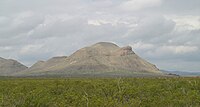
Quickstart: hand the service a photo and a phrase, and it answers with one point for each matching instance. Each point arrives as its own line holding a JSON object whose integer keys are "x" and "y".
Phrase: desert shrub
{"x": 98, "y": 92}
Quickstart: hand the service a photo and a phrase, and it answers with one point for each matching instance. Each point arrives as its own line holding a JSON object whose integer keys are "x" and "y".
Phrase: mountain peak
{"x": 105, "y": 44}
{"x": 10, "y": 66}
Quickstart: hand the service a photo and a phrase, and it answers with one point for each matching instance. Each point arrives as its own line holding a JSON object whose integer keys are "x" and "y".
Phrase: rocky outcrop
{"x": 125, "y": 51}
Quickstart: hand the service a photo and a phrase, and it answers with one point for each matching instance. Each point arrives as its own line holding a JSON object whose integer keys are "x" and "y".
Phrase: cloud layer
{"x": 165, "y": 32}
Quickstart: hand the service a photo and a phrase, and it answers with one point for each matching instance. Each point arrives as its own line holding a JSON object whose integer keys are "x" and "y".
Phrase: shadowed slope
{"x": 10, "y": 66}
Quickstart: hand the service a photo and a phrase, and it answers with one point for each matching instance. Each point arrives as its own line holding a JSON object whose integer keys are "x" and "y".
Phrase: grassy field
{"x": 99, "y": 92}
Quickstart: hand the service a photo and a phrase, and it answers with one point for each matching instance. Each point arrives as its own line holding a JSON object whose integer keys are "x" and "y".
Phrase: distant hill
{"x": 102, "y": 58}
{"x": 182, "y": 73}
{"x": 10, "y": 66}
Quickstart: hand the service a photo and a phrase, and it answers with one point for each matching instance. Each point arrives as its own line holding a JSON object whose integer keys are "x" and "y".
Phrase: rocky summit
{"x": 102, "y": 58}
{"x": 10, "y": 66}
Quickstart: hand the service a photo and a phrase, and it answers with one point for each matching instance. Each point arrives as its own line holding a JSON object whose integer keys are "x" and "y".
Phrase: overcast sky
{"x": 165, "y": 32}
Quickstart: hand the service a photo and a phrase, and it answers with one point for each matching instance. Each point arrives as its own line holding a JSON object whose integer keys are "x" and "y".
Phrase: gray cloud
{"x": 151, "y": 29}
{"x": 181, "y": 7}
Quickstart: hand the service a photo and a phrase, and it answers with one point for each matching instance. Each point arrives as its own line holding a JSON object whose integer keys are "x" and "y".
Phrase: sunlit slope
{"x": 102, "y": 57}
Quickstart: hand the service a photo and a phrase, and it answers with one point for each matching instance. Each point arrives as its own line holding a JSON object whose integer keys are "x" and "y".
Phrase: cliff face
{"x": 9, "y": 67}
{"x": 102, "y": 57}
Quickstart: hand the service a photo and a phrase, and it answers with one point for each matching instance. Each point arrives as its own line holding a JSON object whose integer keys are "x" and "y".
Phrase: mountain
{"x": 10, "y": 66}
{"x": 182, "y": 73}
{"x": 102, "y": 58}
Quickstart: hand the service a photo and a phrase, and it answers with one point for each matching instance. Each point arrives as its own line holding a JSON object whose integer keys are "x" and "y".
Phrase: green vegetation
{"x": 100, "y": 92}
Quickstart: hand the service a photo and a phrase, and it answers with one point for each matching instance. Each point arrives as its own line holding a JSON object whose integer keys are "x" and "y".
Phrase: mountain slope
{"x": 100, "y": 58}
{"x": 10, "y": 66}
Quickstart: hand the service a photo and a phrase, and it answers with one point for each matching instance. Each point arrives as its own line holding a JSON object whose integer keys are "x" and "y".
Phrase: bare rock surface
{"x": 100, "y": 58}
